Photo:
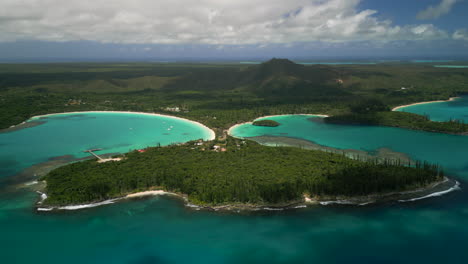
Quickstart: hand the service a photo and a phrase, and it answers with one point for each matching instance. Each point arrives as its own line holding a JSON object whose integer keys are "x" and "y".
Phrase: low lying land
{"x": 246, "y": 174}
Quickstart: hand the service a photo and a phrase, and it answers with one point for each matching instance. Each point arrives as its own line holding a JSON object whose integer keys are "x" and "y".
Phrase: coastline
{"x": 212, "y": 134}
{"x": 229, "y": 131}
{"x": 436, "y": 189}
{"x": 428, "y": 102}
{"x": 105, "y": 202}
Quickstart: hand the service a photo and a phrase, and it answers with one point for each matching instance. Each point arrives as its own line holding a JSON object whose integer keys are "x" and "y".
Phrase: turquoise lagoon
{"x": 71, "y": 134}
{"x": 455, "y": 109}
{"x": 162, "y": 230}
{"x": 451, "y": 153}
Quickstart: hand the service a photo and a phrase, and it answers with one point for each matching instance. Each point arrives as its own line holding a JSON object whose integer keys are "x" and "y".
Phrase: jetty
{"x": 91, "y": 151}
{"x": 101, "y": 160}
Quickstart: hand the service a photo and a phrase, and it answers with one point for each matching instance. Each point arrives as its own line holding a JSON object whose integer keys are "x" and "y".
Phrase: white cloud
{"x": 216, "y": 22}
{"x": 433, "y": 12}
{"x": 461, "y": 34}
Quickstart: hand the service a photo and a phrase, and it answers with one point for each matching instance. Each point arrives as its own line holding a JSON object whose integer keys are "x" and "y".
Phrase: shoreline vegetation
{"x": 220, "y": 96}
{"x": 247, "y": 175}
{"x": 374, "y": 112}
{"x": 442, "y": 187}
{"x": 303, "y": 199}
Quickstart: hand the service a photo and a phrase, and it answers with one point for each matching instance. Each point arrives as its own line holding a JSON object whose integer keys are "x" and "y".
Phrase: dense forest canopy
{"x": 266, "y": 122}
{"x": 246, "y": 173}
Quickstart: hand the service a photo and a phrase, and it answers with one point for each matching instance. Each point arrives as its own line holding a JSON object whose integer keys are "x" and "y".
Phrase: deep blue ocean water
{"x": 162, "y": 230}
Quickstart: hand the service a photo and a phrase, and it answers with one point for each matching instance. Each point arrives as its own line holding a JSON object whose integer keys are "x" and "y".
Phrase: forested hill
{"x": 285, "y": 80}
{"x": 251, "y": 77}
{"x": 274, "y": 80}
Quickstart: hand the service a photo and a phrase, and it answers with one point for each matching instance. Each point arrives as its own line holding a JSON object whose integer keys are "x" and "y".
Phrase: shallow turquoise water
{"x": 71, "y": 134}
{"x": 452, "y": 66}
{"x": 161, "y": 230}
{"x": 429, "y": 61}
{"x": 442, "y": 111}
{"x": 445, "y": 149}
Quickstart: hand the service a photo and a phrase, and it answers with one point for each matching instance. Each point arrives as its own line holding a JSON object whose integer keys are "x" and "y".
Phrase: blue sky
{"x": 224, "y": 29}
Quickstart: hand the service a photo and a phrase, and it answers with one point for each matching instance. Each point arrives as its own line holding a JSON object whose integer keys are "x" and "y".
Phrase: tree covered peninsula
{"x": 246, "y": 173}
{"x": 375, "y": 112}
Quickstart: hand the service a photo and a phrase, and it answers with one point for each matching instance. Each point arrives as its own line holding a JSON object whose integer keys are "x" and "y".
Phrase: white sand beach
{"x": 147, "y": 193}
{"x": 212, "y": 135}
{"x": 428, "y": 102}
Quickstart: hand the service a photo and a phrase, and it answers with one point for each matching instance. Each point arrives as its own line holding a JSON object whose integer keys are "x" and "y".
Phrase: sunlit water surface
{"x": 162, "y": 230}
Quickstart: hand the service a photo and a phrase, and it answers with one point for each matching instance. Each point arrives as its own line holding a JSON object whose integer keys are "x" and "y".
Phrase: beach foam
{"x": 43, "y": 197}
{"x": 31, "y": 183}
{"x": 83, "y": 206}
{"x": 300, "y": 206}
{"x": 436, "y": 194}
{"x": 45, "y": 209}
{"x": 337, "y": 202}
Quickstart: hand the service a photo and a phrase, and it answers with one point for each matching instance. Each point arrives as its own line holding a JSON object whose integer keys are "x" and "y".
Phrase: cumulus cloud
{"x": 461, "y": 34}
{"x": 215, "y": 22}
{"x": 433, "y": 12}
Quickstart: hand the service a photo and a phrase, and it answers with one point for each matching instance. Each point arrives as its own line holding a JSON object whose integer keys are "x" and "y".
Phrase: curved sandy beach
{"x": 212, "y": 135}
{"x": 428, "y": 102}
{"x": 229, "y": 132}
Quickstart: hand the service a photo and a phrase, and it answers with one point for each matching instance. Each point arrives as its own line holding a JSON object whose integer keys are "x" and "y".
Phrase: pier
{"x": 91, "y": 151}
{"x": 101, "y": 160}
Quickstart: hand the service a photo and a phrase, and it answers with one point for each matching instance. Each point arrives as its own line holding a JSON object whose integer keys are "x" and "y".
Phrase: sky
{"x": 232, "y": 29}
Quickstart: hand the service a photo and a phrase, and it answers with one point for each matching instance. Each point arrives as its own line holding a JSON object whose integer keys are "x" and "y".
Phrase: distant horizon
{"x": 245, "y": 60}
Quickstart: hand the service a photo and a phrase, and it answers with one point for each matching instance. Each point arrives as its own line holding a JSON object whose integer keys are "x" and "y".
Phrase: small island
{"x": 266, "y": 123}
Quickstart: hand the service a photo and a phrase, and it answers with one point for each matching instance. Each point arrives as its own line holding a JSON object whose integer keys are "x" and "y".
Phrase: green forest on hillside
{"x": 217, "y": 95}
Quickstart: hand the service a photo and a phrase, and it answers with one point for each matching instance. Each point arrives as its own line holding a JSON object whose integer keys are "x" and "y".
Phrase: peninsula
{"x": 246, "y": 175}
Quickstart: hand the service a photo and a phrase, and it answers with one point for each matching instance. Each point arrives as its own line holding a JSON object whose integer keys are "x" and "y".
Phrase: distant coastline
{"x": 428, "y": 102}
